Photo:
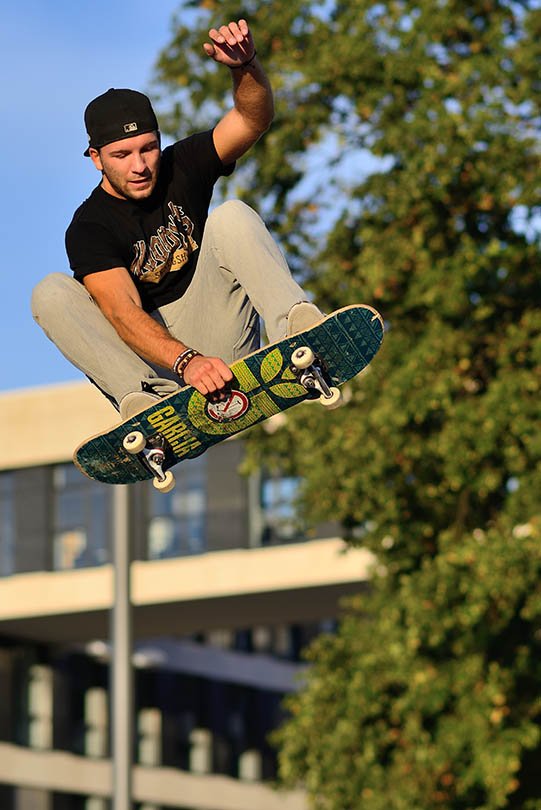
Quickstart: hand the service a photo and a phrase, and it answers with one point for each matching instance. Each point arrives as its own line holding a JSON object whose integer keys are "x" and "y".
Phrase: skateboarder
{"x": 164, "y": 293}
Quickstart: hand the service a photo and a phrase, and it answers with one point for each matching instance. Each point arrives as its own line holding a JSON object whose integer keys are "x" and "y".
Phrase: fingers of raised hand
{"x": 233, "y": 33}
{"x": 231, "y": 38}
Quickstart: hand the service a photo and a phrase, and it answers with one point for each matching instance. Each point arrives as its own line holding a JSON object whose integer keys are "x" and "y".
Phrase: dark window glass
{"x": 176, "y": 523}
{"x": 81, "y": 519}
{"x": 279, "y": 512}
{"x": 7, "y": 523}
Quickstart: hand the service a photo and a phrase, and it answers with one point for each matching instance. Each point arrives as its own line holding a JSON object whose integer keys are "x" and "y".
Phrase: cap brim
{"x": 126, "y": 137}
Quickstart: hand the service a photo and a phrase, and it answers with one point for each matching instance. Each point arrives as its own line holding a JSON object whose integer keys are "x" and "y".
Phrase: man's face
{"x": 130, "y": 166}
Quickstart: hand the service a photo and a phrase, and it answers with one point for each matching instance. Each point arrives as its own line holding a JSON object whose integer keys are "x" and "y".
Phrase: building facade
{"x": 227, "y": 589}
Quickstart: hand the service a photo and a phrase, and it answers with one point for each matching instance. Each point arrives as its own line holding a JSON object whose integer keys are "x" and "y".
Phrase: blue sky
{"x": 55, "y": 56}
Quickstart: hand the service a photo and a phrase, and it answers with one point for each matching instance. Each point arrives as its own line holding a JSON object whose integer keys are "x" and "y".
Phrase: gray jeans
{"x": 241, "y": 275}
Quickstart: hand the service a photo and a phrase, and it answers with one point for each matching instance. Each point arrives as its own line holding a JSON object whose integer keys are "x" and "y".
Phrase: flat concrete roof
{"x": 44, "y": 425}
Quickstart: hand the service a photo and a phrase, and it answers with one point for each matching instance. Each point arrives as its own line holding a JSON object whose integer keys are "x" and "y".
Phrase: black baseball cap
{"x": 118, "y": 114}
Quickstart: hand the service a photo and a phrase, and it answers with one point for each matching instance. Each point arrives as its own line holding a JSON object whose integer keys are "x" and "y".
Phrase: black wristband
{"x": 244, "y": 64}
{"x": 179, "y": 366}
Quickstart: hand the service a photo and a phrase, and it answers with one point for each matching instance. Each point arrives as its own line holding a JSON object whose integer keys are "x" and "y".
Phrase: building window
{"x": 7, "y": 524}
{"x": 177, "y": 523}
{"x": 81, "y": 520}
{"x": 281, "y": 523}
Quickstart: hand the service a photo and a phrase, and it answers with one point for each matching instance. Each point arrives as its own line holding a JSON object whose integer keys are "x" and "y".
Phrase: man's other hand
{"x": 208, "y": 375}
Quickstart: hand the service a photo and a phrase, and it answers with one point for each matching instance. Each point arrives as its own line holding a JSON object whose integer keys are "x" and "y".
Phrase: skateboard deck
{"x": 186, "y": 423}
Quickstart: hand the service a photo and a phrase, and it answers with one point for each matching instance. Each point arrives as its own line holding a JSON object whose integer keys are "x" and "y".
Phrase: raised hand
{"x": 231, "y": 45}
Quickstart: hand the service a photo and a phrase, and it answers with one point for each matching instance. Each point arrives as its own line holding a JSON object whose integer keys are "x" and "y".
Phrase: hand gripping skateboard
{"x": 308, "y": 365}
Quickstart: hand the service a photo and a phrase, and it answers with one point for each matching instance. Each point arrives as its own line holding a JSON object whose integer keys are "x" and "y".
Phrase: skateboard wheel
{"x": 303, "y": 357}
{"x": 333, "y": 401}
{"x": 167, "y": 484}
{"x": 134, "y": 442}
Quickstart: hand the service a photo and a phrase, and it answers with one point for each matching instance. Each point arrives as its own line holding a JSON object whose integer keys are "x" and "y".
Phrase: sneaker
{"x": 302, "y": 316}
{"x": 135, "y": 403}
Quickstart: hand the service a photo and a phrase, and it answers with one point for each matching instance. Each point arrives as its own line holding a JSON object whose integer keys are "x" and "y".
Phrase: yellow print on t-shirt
{"x": 168, "y": 250}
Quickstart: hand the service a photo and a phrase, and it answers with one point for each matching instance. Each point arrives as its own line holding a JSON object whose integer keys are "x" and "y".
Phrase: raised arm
{"x": 232, "y": 45}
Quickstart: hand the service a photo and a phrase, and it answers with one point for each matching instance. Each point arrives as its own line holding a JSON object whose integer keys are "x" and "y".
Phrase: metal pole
{"x": 121, "y": 672}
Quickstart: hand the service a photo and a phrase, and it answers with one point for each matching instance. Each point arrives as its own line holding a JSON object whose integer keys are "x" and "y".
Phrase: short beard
{"x": 115, "y": 186}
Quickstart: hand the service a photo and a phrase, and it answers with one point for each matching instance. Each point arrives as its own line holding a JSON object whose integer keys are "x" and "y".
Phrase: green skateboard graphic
{"x": 308, "y": 365}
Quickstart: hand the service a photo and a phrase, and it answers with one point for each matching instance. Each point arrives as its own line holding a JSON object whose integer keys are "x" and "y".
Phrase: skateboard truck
{"x": 309, "y": 372}
{"x": 152, "y": 455}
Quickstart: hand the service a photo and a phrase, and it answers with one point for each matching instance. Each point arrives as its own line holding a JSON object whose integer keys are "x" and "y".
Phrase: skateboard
{"x": 309, "y": 365}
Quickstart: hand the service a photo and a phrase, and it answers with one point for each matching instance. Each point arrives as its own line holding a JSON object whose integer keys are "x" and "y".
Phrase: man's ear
{"x": 95, "y": 158}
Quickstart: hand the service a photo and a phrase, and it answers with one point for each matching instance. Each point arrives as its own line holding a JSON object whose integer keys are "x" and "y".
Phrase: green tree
{"x": 429, "y": 695}
{"x": 403, "y": 171}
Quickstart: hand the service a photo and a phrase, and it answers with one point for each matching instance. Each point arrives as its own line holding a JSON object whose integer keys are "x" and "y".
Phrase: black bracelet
{"x": 244, "y": 64}
{"x": 179, "y": 366}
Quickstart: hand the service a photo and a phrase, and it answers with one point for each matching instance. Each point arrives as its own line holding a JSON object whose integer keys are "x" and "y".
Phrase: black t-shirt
{"x": 156, "y": 239}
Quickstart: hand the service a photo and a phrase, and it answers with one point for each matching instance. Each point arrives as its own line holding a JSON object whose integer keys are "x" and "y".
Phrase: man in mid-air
{"x": 165, "y": 294}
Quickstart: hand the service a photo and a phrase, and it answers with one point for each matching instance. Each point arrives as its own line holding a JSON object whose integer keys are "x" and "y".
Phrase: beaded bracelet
{"x": 244, "y": 64}
{"x": 180, "y": 364}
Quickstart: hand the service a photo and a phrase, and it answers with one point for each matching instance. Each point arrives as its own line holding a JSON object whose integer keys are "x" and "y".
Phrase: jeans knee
{"x": 232, "y": 216}
{"x": 49, "y": 295}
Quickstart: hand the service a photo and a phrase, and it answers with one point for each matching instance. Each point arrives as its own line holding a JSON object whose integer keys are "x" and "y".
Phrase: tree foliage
{"x": 433, "y": 701}
{"x": 403, "y": 171}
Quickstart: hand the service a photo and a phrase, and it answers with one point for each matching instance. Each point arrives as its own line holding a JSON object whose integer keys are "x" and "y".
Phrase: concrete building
{"x": 227, "y": 590}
